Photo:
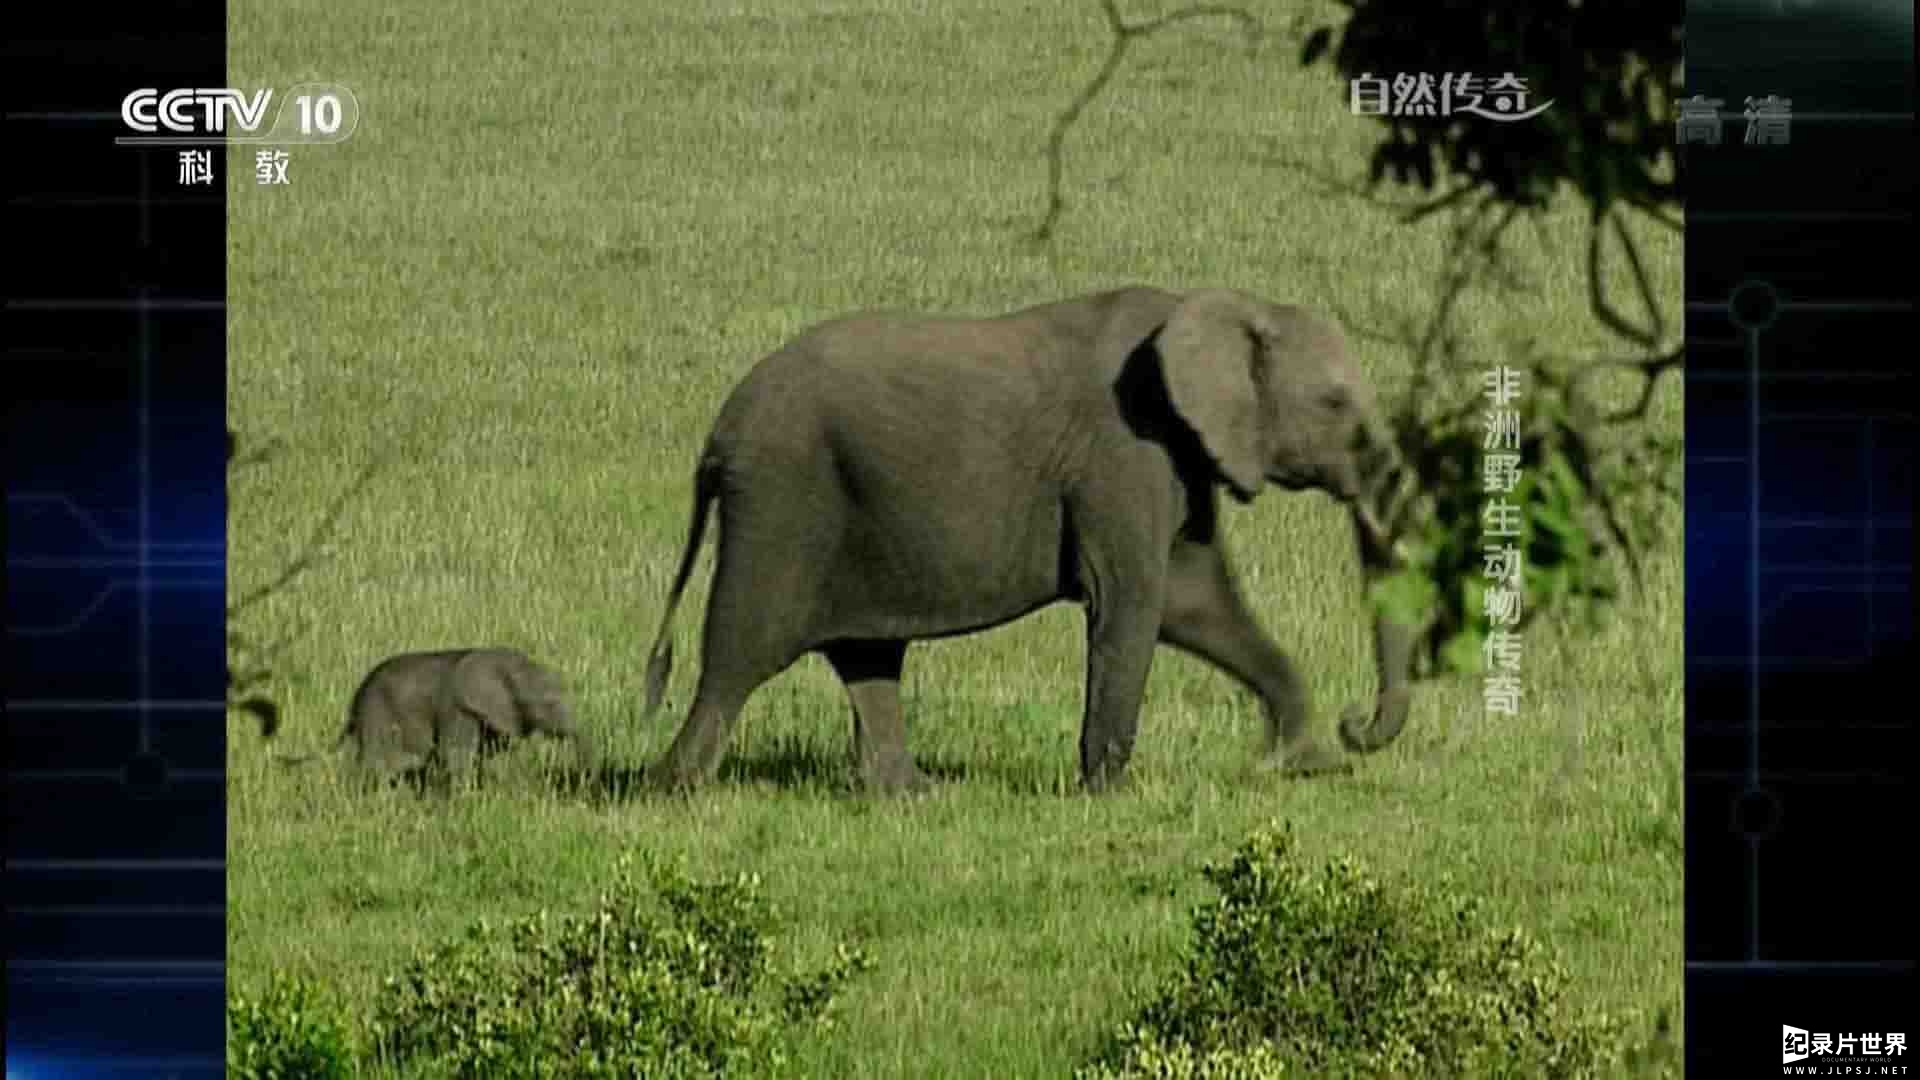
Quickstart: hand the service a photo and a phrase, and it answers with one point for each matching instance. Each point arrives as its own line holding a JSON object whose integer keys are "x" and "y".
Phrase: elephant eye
{"x": 1336, "y": 399}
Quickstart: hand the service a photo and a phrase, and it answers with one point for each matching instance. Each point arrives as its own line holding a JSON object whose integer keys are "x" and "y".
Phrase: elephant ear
{"x": 1209, "y": 350}
{"x": 479, "y": 684}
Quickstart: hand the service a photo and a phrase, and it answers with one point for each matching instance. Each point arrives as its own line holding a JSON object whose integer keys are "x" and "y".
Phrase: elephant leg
{"x": 459, "y": 750}
{"x": 696, "y": 751}
{"x": 586, "y": 752}
{"x": 870, "y": 671}
{"x": 760, "y": 596}
{"x": 1206, "y": 617}
{"x": 383, "y": 753}
{"x": 726, "y": 681}
{"x": 1120, "y": 644}
{"x": 420, "y": 779}
{"x": 364, "y": 776}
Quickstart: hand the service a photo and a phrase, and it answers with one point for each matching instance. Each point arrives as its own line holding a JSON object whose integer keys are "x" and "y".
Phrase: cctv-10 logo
{"x": 321, "y": 113}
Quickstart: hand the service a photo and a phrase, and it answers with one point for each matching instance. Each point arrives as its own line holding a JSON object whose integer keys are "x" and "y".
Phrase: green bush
{"x": 288, "y": 1032}
{"x": 681, "y": 987}
{"x": 1145, "y": 1057}
{"x": 1583, "y": 524}
{"x": 1297, "y": 971}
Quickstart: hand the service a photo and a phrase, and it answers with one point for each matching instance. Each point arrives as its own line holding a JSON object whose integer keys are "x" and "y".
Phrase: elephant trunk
{"x": 1380, "y": 513}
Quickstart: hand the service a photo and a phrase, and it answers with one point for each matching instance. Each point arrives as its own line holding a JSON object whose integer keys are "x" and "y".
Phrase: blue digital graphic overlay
{"x": 116, "y": 562}
{"x": 1799, "y": 539}
{"x": 1799, "y": 447}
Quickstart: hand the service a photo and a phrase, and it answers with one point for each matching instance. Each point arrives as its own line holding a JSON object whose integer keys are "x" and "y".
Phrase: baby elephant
{"x": 447, "y": 711}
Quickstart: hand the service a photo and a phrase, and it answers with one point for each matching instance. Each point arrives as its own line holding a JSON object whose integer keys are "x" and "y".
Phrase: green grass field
{"x": 529, "y": 279}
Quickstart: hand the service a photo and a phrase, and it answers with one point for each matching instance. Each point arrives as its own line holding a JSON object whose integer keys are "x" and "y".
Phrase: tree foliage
{"x": 1611, "y": 70}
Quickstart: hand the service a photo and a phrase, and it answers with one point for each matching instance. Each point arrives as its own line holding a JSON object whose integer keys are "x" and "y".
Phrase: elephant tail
{"x": 264, "y": 710}
{"x": 706, "y": 485}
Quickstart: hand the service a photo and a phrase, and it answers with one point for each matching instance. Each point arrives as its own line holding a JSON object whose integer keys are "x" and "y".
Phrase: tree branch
{"x": 259, "y": 455}
{"x": 1659, "y": 327}
{"x": 1596, "y": 286}
{"x": 1658, "y": 213}
{"x": 249, "y": 663}
{"x": 312, "y": 551}
{"x": 1421, "y": 211}
{"x": 1124, "y": 35}
{"x": 1650, "y": 368}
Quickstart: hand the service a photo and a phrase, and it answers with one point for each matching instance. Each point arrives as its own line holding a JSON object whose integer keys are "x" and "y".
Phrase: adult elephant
{"x": 889, "y": 477}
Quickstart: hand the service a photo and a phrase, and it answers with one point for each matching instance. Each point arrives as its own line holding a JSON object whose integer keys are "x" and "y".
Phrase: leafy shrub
{"x": 679, "y": 988}
{"x": 1296, "y": 971}
{"x": 288, "y": 1032}
{"x": 1580, "y": 514}
{"x": 1146, "y": 1057}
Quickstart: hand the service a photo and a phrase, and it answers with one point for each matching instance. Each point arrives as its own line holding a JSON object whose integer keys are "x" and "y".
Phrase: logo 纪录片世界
{"x": 1869, "y": 1047}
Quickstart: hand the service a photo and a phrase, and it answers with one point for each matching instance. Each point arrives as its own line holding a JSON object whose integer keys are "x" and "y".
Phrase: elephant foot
{"x": 664, "y": 779}
{"x": 1308, "y": 758}
{"x": 896, "y": 779}
{"x": 1106, "y": 782}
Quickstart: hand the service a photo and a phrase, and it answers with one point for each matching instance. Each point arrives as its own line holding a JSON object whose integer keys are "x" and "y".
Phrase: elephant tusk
{"x": 1394, "y": 502}
{"x": 1376, "y": 536}
{"x": 1396, "y": 495}
{"x": 1406, "y": 496}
